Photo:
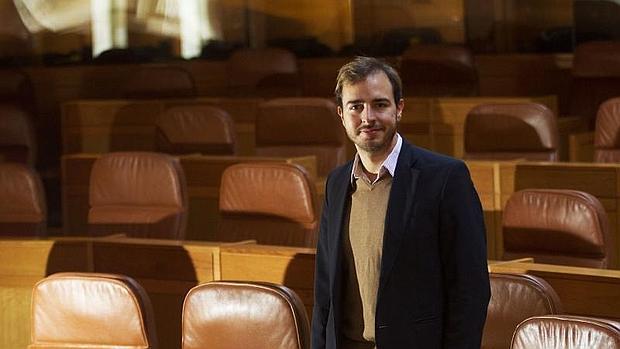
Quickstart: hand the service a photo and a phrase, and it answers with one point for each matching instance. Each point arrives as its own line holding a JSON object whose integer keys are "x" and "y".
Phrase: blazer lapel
{"x": 399, "y": 209}
{"x": 342, "y": 184}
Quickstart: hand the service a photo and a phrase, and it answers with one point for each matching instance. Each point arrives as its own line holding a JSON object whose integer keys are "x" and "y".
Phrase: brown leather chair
{"x": 596, "y": 77}
{"x": 274, "y": 203}
{"x": 301, "y": 126}
{"x": 90, "y": 310}
{"x": 231, "y": 315}
{"x": 160, "y": 82}
{"x": 511, "y": 131}
{"x": 23, "y": 211}
{"x": 606, "y": 132}
{"x": 514, "y": 298}
{"x": 273, "y": 69}
{"x": 196, "y": 129}
{"x": 566, "y": 332}
{"x": 17, "y": 137}
{"x": 438, "y": 71}
{"x": 139, "y": 194}
{"x": 565, "y": 227}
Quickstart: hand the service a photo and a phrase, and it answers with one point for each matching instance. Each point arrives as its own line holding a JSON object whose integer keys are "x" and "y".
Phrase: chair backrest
{"x": 514, "y": 298}
{"x": 90, "y": 310}
{"x": 196, "y": 129}
{"x": 607, "y": 132}
{"x": 274, "y": 203}
{"x": 230, "y": 315}
{"x": 566, "y": 227}
{"x": 438, "y": 70}
{"x": 140, "y": 194}
{"x": 160, "y": 82}
{"x": 23, "y": 211}
{"x": 17, "y": 136}
{"x": 247, "y": 67}
{"x": 301, "y": 126}
{"x": 566, "y": 332}
{"x": 596, "y": 77}
{"x": 511, "y": 131}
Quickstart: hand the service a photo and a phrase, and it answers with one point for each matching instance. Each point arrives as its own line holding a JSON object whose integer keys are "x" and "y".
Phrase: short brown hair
{"x": 360, "y": 68}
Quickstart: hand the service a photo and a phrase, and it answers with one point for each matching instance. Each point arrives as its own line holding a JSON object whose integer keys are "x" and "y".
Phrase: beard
{"x": 376, "y": 144}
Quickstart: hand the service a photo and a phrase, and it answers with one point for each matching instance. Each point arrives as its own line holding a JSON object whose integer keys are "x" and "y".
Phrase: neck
{"x": 372, "y": 160}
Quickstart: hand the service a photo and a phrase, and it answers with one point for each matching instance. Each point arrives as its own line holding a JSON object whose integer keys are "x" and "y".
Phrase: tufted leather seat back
{"x": 607, "y": 132}
{"x": 301, "y": 126}
{"x": 232, "y": 315}
{"x": 511, "y": 131}
{"x": 23, "y": 211}
{"x": 514, "y": 298}
{"x": 565, "y": 227}
{"x": 196, "y": 129}
{"x": 17, "y": 136}
{"x": 566, "y": 332}
{"x": 90, "y": 310}
{"x": 140, "y": 194}
{"x": 273, "y": 203}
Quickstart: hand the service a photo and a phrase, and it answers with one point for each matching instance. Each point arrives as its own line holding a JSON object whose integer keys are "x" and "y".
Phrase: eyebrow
{"x": 356, "y": 101}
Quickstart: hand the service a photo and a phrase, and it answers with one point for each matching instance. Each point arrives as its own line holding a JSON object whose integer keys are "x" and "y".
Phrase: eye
{"x": 382, "y": 105}
{"x": 356, "y": 107}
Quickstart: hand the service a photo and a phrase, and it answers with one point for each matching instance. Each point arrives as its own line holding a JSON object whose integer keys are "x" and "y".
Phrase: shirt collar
{"x": 389, "y": 164}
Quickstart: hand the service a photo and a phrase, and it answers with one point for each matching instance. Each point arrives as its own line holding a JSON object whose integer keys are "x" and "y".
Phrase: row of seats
{"x": 71, "y": 310}
{"x": 198, "y": 128}
{"x": 529, "y": 131}
{"x": 145, "y": 195}
{"x": 75, "y": 309}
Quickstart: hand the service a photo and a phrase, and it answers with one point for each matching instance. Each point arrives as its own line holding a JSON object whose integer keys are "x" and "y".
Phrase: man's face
{"x": 369, "y": 114}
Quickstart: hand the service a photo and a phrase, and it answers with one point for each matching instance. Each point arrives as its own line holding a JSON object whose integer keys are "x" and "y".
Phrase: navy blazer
{"x": 433, "y": 284}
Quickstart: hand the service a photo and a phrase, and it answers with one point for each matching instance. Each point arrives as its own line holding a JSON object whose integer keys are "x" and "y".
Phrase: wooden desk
{"x": 202, "y": 173}
{"x": 582, "y": 291}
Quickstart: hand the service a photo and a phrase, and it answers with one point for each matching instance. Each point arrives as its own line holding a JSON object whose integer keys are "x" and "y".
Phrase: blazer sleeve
{"x": 463, "y": 253}
{"x": 322, "y": 301}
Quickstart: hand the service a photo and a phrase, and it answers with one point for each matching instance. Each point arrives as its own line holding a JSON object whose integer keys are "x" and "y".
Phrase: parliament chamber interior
{"x": 163, "y": 162}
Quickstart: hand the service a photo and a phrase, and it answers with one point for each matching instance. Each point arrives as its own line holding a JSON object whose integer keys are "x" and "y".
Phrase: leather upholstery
{"x": 514, "y": 298}
{"x": 301, "y": 126}
{"x": 565, "y": 227}
{"x": 17, "y": 137}
{"x": 606, "y": 132}
{"x": 23, "y": 211}
{"x": 438, "y": 70}
{"x": 274, "y": 203}
{"x": 233, "y": 315}
{"x": 511, "y": 131}
{"x": 160, "y": 82}
{"x": 566, "y": 332}
{"x": 89, "y": 310}
{"x": 596, "y": 77}
{"x": 247, "y": 67}
{"x": 139, "y": 194}
{"x": 196, "y": 129}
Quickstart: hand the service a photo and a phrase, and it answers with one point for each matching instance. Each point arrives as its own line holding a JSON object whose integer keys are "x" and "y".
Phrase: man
{"x": 401, "y": 257}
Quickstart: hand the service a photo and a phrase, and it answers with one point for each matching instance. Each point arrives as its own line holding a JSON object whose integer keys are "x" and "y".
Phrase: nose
{"x": 368, "y": 115}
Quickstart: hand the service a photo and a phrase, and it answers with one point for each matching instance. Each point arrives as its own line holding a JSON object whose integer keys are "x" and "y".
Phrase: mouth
{"x": 370, "y": 131}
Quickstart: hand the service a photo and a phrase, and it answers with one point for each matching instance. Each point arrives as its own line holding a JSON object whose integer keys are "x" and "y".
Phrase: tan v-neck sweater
{"x": 363, "y": 245}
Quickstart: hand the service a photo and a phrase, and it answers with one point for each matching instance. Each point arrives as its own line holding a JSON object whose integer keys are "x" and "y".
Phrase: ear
{"x": 399, "y": 109}
{"x": 340, "y": 113}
